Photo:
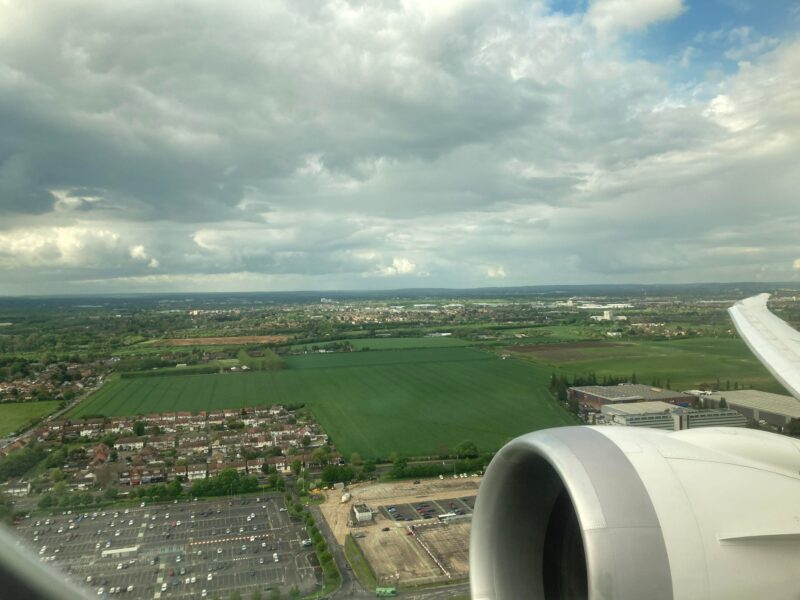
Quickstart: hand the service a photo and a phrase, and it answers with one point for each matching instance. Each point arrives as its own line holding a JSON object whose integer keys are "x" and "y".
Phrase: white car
{"x": 282, "y": 509}
{"x": 163, "y": 587}
{"x": 130, "y": 588}
{"x": 100, "y": 591}
{"x": 130, "y": 522}
{"x": 219, "y": 551}
{"x": 194, "y": 579}
{"x": 210, "y": 577}
{"x": 203, "y": 594}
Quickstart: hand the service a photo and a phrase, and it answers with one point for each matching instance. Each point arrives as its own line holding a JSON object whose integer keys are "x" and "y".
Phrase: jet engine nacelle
{"x": 629, "y": 513}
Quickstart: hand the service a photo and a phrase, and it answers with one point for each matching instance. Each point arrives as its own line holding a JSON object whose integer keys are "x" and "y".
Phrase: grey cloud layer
{"x": 279, "y": 145}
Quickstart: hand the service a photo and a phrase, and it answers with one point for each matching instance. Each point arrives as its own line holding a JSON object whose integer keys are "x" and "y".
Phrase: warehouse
{"x": 669, "y": 417}
{"x": 776, "y": 409}
{"x": 596, "y": 396}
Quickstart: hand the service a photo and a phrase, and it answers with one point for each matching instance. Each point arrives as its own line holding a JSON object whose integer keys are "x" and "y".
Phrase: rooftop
{"x": 630, "y": 391}
{"x": 774, "y": 403}
{"x": 639, "y": 408}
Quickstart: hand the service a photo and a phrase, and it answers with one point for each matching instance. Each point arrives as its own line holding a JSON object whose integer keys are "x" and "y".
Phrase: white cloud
{"x": 611, "y": 17}
{"x": 138, "y": 252}
{"x": 399, "y": 266}
{"x": 796, "y": 264}
{"x": 496, "y": 272}
{"x": 56, "y": 246}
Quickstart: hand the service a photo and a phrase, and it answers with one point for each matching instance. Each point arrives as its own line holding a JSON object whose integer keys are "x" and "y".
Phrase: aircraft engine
{"x": 632, "y": 513}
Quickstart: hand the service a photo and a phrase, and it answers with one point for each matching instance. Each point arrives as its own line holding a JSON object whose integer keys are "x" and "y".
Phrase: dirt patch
{"x": 449, "y": 543}
{"x": 221, "y": 341}
{"x": 397, "y": 558}
{"x": 562, "y": 352}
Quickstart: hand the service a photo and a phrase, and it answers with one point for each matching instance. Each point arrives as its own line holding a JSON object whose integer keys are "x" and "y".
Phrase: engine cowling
{"x": 630, "y": 513}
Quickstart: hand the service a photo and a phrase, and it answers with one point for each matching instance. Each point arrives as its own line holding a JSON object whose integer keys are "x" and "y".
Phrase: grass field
{"x": 687, "y": 363}
{"x": 13, "y": 416}
{"x": 414, "y": 402}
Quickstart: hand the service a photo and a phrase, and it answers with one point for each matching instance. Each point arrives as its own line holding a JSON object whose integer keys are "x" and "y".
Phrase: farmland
{"x": 14, "y": 415}
{"x": 413, "y": 402}
{"x": 686, "y": 363}
{"x": 397, "y": 343}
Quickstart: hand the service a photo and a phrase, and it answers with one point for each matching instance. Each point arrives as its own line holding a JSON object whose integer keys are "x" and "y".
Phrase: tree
{"x": 275, "y": 594}
{"x": 236, "y": 596}
{"x": 256, "y": 595}
{"x": 296, "y": 466}
{"x": 355, "y": 459}
{"x": 723, "y": 403}
{"x": 369, "y": 466}
{"x": 399, "y": 467}
{"x": 294, "y": 592}
{"x": 467, "y": 449}
{"x": 138, "y": 428}
{"x": 306, "y": 441}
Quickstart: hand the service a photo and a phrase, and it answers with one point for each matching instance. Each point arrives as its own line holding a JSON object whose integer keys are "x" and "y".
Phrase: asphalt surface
{"x": 179, "y": 550}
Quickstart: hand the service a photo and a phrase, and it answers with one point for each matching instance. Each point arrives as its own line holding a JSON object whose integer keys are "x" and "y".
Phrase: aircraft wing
{"x": 771, "y": 339}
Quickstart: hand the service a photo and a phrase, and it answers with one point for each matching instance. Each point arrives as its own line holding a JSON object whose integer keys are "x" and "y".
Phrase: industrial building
{"x": 776, "y": 409}
{"x": 362, "y": 513}
{"x": 669, "y": 417}
{"x": 596, "y": 396}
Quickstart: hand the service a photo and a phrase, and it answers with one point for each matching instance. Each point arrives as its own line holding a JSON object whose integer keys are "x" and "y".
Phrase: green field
{"x": 13, "y": 416}
{"x": 686, "y": 363}
{"x": 414, "y": 402}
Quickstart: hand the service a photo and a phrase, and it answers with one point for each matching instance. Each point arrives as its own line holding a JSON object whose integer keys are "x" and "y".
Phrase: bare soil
{"x": 395, "y": 557}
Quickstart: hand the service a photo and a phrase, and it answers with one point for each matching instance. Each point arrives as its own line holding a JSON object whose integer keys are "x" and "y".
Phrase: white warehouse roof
{"x": 772, "y": 403}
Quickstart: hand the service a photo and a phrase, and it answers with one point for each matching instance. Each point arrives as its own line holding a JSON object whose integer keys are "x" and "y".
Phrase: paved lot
{"x": 428, "y": 509}
{"x": 157, "y": 551}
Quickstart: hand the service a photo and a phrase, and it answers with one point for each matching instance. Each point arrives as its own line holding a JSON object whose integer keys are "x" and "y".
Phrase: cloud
{"x": 496, "y": 272}
{"x": 57, "y": 246}
{"x": 338, "y": 143}
{"x": 796, "y": 264}
{"x": 612, "y": 17}
{"x": 399, "y": 266}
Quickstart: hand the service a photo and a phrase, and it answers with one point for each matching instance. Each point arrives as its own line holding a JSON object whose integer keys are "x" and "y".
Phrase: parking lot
{"x": 179, "y": 550}
{"x": 428, "y": 509}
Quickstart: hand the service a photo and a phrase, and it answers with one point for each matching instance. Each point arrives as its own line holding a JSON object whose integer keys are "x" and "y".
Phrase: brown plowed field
{"x": 221, "y": 341}
{"x": 562, "y": 352}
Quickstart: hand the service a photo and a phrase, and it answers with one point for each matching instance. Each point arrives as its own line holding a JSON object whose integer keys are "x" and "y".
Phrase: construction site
{"x": 416, "y": 534}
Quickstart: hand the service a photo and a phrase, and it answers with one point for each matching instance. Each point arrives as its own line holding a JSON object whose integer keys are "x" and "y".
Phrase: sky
{"x": 150, "y": 146}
